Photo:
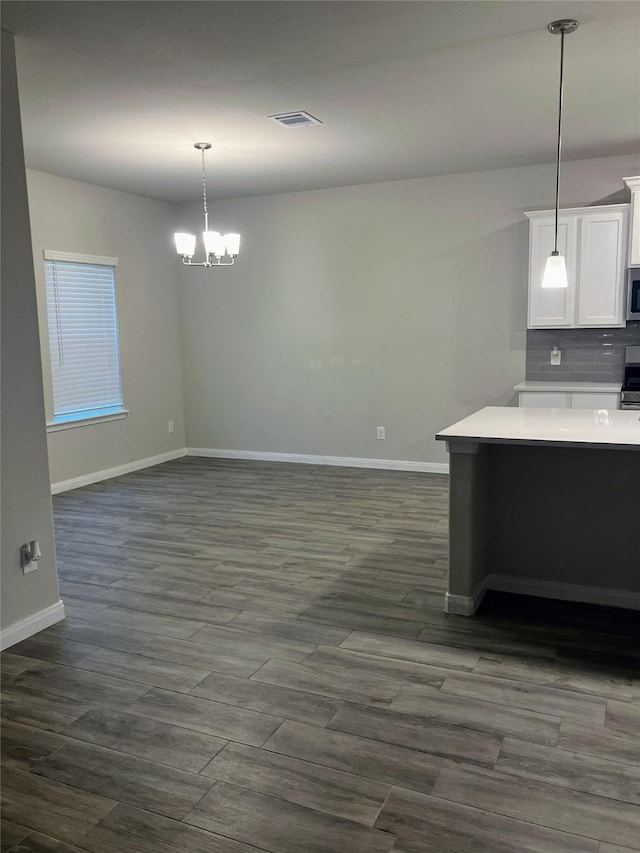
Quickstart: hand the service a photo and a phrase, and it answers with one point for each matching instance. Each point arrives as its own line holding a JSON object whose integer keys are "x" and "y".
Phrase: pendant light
{"x": 555, "y": 271}
{"x": 216, "y": 245}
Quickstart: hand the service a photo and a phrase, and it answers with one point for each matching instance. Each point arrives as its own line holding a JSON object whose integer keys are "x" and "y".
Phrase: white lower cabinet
{"x": 545, "y": 400}
{"x": 569, "y": 400}
{"x": 595, "y": 401}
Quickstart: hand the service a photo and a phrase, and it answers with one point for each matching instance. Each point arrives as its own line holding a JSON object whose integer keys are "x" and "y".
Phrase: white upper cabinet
{"x": 601, "y": 270}
{"x": 634, "y": 241}
{"x": 550, "y": 307}
{"x": 594, "y": 243}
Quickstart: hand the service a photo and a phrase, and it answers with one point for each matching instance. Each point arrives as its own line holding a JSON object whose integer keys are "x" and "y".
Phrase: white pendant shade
{"x": 214, "y": 243}
{"x": 185, "y": 244}
{"x": 232, "y": 242}
{"x": 555, "y": 272}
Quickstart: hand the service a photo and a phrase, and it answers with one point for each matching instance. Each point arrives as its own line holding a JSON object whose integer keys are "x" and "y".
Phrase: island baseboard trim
{"x": 311, "y": 459}
{"x": 564, "y": 591}
{"x": 465, "y": 605}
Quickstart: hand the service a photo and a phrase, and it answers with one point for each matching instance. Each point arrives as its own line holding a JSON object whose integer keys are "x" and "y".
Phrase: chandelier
{"x": 220, "y": 250}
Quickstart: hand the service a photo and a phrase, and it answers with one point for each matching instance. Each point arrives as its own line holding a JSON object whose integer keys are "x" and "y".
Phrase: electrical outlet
{"x": 29, "y": 556}
{"x": 556, "y": 356}
{"x": 380, "y": 432}
{"x": 170, "y": 426}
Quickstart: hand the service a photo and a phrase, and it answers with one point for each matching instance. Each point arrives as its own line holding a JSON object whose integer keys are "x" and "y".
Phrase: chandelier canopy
{"x": 220, "y": 250}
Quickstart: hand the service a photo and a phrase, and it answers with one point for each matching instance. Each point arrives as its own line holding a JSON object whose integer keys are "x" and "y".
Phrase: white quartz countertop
{"x": 568, "y": 387}
{"x": 603, "y": 428}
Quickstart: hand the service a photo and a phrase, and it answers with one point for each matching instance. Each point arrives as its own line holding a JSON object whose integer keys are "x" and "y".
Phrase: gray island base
{"x": 544, "y": 502}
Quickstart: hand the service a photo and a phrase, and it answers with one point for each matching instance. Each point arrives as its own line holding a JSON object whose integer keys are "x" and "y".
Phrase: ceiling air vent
{"x": 299, "y": 119}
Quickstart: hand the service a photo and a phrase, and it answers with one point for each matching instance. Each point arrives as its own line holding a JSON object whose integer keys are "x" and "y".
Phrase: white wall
{"x": 76, "y": 217}
{"x": 26, "y": 499}
{"x": 397, "y": 304}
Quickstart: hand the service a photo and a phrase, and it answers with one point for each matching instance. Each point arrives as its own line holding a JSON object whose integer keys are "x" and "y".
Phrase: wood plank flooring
{"x": 256, "y": 658}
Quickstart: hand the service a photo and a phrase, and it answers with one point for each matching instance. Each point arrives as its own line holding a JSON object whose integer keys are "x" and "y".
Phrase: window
{"x": 83, "y": 336}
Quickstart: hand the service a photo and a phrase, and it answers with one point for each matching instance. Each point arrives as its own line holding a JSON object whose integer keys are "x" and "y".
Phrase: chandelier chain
{"x": 204, "y": 192}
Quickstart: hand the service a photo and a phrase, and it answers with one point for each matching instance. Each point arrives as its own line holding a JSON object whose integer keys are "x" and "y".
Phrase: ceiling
{"x": 116, "y": 93}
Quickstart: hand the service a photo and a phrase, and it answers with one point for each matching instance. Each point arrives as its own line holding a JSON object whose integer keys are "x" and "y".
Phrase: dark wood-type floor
{"x": 255, "y": 658}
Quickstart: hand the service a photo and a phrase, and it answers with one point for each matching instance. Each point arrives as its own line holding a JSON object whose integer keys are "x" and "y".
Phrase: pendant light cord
{"x": 555, "y": 241}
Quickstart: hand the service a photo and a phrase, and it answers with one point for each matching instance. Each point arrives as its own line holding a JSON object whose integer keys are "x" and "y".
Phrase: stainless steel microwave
{"x": 633, "y": 294}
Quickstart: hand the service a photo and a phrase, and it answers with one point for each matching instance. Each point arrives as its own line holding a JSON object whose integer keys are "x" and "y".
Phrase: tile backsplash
{"x": 588, "y": 355}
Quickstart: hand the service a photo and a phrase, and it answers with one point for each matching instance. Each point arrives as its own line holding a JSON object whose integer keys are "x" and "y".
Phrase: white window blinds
{"x": 83, "y": 335}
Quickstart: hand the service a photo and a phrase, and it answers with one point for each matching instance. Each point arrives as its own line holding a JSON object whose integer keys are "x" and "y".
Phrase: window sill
{"x": 89, "y": 421}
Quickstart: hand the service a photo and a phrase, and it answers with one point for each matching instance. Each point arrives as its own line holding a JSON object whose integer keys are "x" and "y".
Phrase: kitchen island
{"x": 544, "y": 502}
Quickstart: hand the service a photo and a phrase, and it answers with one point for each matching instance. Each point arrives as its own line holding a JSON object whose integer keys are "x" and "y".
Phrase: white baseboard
{"x": 465, "y": 605}
{"x": 344, "y": 461}
{"x": 565, "y": 591}
{"x": 108, "y": 473}
{"x": 31, "y": 625}
{"x": 308, "y": 459}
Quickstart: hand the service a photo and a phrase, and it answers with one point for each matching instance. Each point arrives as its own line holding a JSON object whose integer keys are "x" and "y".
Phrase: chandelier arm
{"x": 219, "y": 263}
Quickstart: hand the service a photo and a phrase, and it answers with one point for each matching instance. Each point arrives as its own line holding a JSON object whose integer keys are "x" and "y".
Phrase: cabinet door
{"x": 602, "y": 269}
{"x": 595, "y": 400}
{"x": 550, "y": 308}
{"x": 545, "y": 400}
{"x": 634, "y": 230}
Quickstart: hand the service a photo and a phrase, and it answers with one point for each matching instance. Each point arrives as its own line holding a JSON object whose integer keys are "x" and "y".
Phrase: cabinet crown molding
{"x": 633, "y": 183}
{"x": 580, "y": 211}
